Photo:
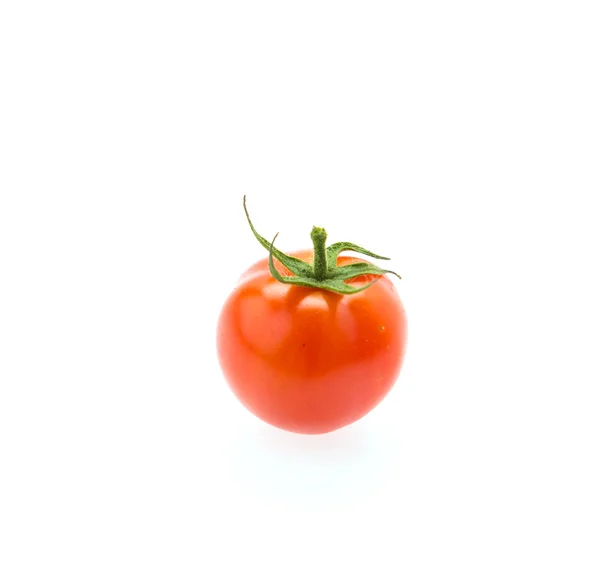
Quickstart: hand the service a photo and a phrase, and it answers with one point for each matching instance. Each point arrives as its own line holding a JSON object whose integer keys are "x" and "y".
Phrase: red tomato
{"x": 308, "y": 360}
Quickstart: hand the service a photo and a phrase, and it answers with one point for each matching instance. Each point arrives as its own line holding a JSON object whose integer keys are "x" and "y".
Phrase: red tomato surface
{"x": 308, "y": 360}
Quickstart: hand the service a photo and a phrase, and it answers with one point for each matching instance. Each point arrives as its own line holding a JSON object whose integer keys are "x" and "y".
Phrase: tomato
{"x": 310, "y": 360}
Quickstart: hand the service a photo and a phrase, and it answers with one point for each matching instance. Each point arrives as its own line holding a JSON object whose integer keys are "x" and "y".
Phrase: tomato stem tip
{"x": 319, "y": 238}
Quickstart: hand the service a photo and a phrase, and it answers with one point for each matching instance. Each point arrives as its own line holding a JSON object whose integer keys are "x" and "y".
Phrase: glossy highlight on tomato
{"x": 310, "y": 360}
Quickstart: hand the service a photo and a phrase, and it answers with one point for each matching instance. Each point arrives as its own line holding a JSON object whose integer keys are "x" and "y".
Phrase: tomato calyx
{"x": 323, "y": 272}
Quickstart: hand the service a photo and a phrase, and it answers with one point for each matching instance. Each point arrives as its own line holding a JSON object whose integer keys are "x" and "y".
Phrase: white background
{"x": 460, "y": 138}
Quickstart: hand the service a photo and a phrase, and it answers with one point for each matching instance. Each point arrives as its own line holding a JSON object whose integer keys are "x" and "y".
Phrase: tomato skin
{"x": 308, "y": 360}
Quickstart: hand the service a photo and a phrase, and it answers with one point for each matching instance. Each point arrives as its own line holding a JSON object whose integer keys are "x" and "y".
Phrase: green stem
{"x": 324, "y": 273}
{"x": 319, "y": 236}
